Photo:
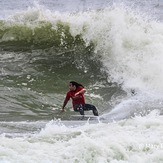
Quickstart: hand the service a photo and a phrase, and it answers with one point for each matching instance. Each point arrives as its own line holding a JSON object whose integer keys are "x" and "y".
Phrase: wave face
{"x": 129, "y": 45}
{"x": 116, "y": 52}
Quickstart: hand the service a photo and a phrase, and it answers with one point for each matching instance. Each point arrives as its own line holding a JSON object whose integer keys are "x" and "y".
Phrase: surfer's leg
{"x": 91, "y": 107}
{"x": 79, "y": 108}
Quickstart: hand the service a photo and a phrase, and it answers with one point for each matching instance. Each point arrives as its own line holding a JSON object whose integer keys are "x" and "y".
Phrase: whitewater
{"x": 115, "y": 49}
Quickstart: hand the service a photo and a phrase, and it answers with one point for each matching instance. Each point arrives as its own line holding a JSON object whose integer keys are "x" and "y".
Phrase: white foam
{"x": 133, "y": 140}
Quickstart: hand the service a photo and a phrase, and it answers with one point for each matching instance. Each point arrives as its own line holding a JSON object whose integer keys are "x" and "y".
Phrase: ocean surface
{"x": 113, "y": 48}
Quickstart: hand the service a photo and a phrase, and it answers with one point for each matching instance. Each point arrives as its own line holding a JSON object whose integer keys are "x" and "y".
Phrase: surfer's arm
{"x": 82, "y": 91}
{"x": 76, "y": 97}
{"x": 65, "y": 102}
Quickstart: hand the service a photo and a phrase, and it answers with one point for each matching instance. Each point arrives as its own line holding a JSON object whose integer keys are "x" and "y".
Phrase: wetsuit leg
{"x": 91, "y": 107}
{"x": 79, "y": 108}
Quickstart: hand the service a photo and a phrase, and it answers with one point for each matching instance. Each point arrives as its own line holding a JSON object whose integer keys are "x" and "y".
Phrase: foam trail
{"x": 137, "y": 105}
{"x": 125, "y": 109}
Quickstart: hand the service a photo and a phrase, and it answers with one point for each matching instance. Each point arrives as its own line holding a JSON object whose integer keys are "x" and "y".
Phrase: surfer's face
{"x": 72, "y": 87}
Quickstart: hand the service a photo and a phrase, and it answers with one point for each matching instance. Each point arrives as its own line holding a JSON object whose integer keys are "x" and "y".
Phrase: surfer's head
{"x": 73, "y": 85}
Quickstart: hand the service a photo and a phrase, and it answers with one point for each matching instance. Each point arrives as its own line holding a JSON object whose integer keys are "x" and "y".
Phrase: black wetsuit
{"x": 85, "y": 107}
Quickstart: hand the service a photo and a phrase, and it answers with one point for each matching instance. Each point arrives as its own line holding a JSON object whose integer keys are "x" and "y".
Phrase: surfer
{"x": 76, "y": 93}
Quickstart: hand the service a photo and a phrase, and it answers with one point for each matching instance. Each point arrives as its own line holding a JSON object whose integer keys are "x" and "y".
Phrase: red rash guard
{"x": 80, "y": 100}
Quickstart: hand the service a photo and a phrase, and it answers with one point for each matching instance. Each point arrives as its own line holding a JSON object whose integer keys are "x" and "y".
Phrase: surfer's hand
{"x": 62, "y": 110}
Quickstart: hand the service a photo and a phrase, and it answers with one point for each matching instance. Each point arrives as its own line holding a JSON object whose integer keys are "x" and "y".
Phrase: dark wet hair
{"x": 76, "y": 84}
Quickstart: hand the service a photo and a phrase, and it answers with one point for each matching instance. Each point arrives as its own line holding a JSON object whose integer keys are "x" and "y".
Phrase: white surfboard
{"x": 84, "y": 117}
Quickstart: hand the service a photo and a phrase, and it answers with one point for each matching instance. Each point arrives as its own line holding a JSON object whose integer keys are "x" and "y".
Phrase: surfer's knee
{"x": 79, "y": 108}
{"x": 95, "y": 112}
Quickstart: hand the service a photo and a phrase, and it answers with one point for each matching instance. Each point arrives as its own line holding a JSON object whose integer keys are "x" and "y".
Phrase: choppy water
{"x": 115, "y": 49}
